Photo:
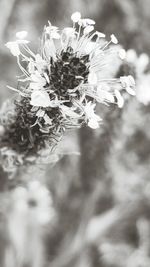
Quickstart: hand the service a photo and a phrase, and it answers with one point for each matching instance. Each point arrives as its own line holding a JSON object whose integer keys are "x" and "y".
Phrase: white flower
{"x": 35, "y": 202}
{"x": 114, "y": 39}
{"x": 21, "y": 34}
{"x": 40, "y": 99}
{"x": 14, "y": 48}
{"x": 76, "y": 16}
{"x": 92, "y": 118}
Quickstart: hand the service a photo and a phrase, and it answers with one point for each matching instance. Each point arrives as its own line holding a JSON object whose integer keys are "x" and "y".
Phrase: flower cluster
{"x": 138, "y": 65}
{"x": 61, "y": 85}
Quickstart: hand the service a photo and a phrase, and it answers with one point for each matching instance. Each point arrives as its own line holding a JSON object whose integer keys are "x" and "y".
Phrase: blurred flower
{"x": 21, "y": 34}
{"x": 76, "y": 16}
{"x": 14, "y": 48}
{"x": 36, "y": 200}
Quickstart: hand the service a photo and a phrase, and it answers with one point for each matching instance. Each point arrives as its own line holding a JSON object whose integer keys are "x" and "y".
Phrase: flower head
{"x": 62, "y": 84}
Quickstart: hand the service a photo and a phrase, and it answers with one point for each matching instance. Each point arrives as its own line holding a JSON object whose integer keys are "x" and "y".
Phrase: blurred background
{"x": 101, "y": 191}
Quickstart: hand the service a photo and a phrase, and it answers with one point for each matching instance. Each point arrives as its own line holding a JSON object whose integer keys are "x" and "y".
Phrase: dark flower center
{"x": 68, "y": 72}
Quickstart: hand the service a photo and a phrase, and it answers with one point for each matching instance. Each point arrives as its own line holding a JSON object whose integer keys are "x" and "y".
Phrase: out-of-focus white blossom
{"x": 14, "y": 48}
{"x": 21, "y": 34}
{"x": 36, "y": 201}
{"x": 76, "y": 16}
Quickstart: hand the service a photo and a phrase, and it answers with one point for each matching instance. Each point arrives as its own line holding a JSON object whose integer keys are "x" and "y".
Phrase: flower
{"x": 40, "y": 99}
{"x": 35, "y": 200}
{"x": 62, "y": 84}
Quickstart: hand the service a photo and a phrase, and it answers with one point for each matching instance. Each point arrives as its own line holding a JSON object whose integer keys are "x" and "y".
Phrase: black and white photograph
{"x": 74, "y": 133}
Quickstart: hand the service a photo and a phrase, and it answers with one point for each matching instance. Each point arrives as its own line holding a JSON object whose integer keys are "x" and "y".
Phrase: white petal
{"x": 130, "y": 90}
{"x": 105, "y": 95}
{"x": 88, "y": 29}
{"x": 14, "y": 48}
{"x": 68, "y": 112}
{"x": 93, "y": 124}
{"x": 120, "y": 100}
{"x": 114, "y": 39}
{"x": 35, "y": 86}
{"x": 47, "y": 119}
{"x": 55, "y": 35}
{"x": 40, "y": 99}
{"x": 40, "y": 113}
{"x": 100, "y": 34}
{"x": 86, "y": 22}
{"x": 36, "y": 77}
{"x": 76, "y": 16}
{"x": 132, "y": 81}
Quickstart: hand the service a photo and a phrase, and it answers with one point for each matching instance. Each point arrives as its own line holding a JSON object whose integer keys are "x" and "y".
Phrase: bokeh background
{"x": 101, "y": 187}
